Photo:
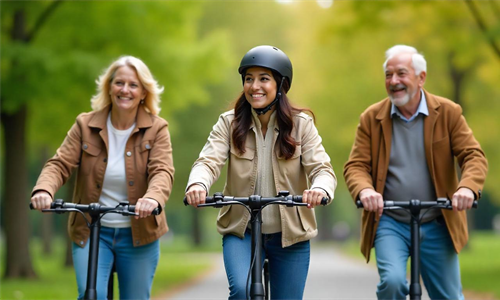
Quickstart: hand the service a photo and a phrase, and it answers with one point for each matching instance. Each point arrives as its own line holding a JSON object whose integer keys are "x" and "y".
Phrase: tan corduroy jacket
{"x": 446, "y": 137}
{"x": 148, "y": 164}
{"x": 309, "y": 163}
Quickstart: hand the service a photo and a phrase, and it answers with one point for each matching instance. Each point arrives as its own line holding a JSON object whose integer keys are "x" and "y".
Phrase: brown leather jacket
{"x": 149, "y": 169}
{"x": 446, "y": 136}
{"x": 308, "y": 168}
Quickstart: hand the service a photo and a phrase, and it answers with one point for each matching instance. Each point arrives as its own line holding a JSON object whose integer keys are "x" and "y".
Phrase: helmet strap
{"x": 263, "y": 111}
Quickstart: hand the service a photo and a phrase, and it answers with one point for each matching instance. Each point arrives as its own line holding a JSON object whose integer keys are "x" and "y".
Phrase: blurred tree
{"x": 351, "y": 39}
{"x": 489, "y": 33}
{"x": 14, "y": 114}
{"x": 48, "y": 77}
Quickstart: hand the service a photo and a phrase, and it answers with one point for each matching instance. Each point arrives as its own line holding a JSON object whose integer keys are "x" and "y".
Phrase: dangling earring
{"x": 142, "y": 101}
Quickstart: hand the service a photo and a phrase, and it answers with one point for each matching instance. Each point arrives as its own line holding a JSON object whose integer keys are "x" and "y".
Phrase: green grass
{"x": 177, "y": 264}
{"x": 479, "y": 262}
{"x": 54, "y": 280}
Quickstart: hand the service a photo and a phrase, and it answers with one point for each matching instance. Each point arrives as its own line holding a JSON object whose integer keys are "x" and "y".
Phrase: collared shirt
{"x": 422, "y": 109}
{"x": 264, "y": 184}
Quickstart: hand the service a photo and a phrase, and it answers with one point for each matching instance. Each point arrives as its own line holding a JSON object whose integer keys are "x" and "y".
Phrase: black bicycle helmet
{"x": 268, "y": 57}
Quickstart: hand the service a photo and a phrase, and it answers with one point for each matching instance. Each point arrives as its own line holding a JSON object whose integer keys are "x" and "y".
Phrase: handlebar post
{"x": 254, "y": 202}
{"x": 95, "y": 228}
{"x": 256, "y": 287}
{"x": 415, "y": 287}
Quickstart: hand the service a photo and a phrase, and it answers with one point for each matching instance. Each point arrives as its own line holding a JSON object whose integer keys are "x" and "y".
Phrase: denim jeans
{"x": 440, "y": 269}
{"x": 288, "y": 266}
{"x": 135, "y": 266}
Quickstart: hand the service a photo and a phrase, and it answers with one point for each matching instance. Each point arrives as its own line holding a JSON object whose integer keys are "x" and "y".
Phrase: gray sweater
{"x": 408, "y": 175}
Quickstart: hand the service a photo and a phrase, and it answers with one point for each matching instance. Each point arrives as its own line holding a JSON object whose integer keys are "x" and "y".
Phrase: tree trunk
{"x": 16, "y": 199}
{"x": 15, "y": 202}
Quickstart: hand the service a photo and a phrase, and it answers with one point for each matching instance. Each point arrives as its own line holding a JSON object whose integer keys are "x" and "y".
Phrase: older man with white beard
{"x": 405, "y": 148}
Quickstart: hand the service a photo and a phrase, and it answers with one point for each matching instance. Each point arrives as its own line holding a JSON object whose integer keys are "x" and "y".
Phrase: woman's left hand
{"x": 313, "y": 197}
{"x": 144, "y": 207}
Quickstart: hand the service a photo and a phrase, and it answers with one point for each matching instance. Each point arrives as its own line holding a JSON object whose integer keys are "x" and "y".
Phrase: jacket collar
{"x": 429, "y": 125}
{"x": 143, "y": 119}
{"x": 385, "y": 111}
{"x": 272, "y": 120}
{"x": 432, "y": 103}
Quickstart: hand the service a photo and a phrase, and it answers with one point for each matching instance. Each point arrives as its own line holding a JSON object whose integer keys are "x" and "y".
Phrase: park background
{"x": 53, "y": 51}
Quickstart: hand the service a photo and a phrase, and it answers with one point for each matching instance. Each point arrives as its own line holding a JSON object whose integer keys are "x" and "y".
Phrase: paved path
{"x": 332, "y": 275}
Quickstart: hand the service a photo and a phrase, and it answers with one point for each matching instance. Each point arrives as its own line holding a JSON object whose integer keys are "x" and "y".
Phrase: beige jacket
{"x": 310, "y": 163}
{"x": 148, "y": 164}
{"x": 446, "y": 136}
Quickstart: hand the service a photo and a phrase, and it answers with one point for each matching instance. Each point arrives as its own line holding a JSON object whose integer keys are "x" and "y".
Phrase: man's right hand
{"x": 41, "y": 200}
{"x": 372, "y": 201}
{"x": 196, "y": 194}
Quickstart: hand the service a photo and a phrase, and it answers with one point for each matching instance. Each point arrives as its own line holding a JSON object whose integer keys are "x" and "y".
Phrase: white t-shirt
{"x": 114, "y": 187}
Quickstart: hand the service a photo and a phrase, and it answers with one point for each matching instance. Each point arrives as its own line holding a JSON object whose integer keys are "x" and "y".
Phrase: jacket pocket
{"x": 296, "y": 154}
{"x": 72, "y": 215}
{"x": 241, "y": 169}
{"x": 143, "y": 150}
{"x": 90, "y": 153}
{"x": 291, "y": 168}
{"x": 307, "y": 219}
{"x": 249, "y": 153}
{"x": 146, "y": 145}
{"x": 224, "y": 216}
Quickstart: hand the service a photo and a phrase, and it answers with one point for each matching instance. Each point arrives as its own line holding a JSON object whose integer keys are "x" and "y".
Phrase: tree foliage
{"x": 48, "y": 78}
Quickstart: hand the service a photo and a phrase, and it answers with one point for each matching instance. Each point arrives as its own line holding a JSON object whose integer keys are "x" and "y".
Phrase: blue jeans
{"x": 135, "y": 266}
{"x": 440, "y": 269}
{"x": 288, "y": 266}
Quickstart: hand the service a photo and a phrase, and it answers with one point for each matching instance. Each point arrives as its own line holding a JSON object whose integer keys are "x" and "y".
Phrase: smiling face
{"x": 259, "y": 87}
{"x": 401, "y": 82}
{"x": 126, "y": 90}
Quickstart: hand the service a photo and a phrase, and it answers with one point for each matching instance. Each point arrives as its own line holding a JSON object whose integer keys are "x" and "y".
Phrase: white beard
{"x": 401, "y": 101}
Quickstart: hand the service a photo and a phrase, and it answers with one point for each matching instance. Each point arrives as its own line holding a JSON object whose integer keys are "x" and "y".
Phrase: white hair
{"x": 417, "y": 60}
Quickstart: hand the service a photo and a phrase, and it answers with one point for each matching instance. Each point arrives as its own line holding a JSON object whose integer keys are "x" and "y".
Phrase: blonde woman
{"x": 121, "y": 151}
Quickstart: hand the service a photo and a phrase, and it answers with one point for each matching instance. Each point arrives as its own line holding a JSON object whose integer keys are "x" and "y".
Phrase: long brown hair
{"x": 284, "y": 116}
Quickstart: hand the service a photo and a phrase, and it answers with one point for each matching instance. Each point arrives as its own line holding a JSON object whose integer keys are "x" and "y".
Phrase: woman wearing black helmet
{"x": 271, "y": 146}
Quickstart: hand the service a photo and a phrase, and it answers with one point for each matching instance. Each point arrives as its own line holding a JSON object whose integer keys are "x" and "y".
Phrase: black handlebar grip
{"x": 324, "y": 200}
{"x": 155, "y": 212}
{"x": 474, "y": 204}
{"x": 32, "y": 207}
{"x": 208, "y": 199}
